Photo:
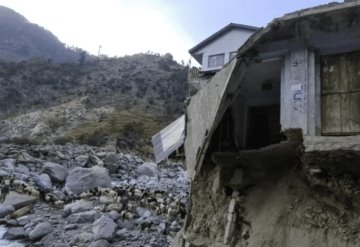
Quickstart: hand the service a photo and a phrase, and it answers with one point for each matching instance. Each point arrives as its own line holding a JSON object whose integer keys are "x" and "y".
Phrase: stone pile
{"x": 76, "y": 195}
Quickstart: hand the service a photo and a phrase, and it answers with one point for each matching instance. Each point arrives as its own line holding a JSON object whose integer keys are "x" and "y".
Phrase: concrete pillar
{"x": 311, "y": 112}
{"x": 298, "y": 90}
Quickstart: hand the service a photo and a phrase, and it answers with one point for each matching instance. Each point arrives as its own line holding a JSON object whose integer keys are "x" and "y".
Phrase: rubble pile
{"x": 76, "y": 195}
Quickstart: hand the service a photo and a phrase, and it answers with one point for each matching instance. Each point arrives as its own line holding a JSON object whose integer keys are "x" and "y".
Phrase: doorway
{"x": 263, "y": 126}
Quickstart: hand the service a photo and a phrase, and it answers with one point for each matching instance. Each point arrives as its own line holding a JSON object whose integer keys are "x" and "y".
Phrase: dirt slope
{"x": 285, "y": 203}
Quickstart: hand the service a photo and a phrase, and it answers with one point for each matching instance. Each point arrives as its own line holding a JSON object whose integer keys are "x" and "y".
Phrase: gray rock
{"x": 83, "y": 179}
{"x": 95, "y": 160}
{"x": 18, "y": 200}
{"x": 43, "y": 182}
{"x": 112, "y": 163}
{"x": 104, "y": 228}
{"x": 138, "y": 160}
{"x": 77, "y": 207}
{"x": 83, "y": 217}
{"x": 122, "y": 234}
{"x": 100, "y": 243}
{"x": 49, "y": 240}
{"x": 4, "y": 173}
{"x": 143, "y": 212}
{"x": 101, "y": 155}
{"x": 20, "y": 176}
{"x": 7, "y": 165}
{"x": 128, "y": 157}
{"x": 56, "y": 172}
{"x": 22, "y": 169}
{"x": 85, "y": 237}
{"x": 11, "y": 222}
{"x": 82, "y": 160}
{"x": 61, "y": 155}
{"x": 40, "y": 230}
{"x": 147, "y": 169}
{"x": 106, "y": 200}
{"x": 113, "y": 215}
{"x": 15, "y": 233}
{"x": 6, "y": 210}
{"x": 74, "y": 239}
{"x": 59, "y": 195}
{"x": 22, "y": 221}
{"x": 71, "y": 227}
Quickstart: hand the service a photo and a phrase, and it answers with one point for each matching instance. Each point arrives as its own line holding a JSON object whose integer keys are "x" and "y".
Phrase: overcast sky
{"x": 131, "y": 26}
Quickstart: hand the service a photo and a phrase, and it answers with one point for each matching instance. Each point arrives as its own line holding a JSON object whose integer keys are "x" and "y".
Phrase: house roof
{"x": 221, "y": 32}
{"x": 274, "y": 27}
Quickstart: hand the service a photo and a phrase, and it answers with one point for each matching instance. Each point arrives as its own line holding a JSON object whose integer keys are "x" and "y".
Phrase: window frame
{"x": 215, "y": 65}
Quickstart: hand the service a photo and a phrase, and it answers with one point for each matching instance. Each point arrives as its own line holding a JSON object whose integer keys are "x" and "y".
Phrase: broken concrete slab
{"x": 328, "y": 143}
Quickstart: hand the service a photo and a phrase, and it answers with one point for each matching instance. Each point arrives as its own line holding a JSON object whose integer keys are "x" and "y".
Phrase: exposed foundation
{"x": 293, "y": 193}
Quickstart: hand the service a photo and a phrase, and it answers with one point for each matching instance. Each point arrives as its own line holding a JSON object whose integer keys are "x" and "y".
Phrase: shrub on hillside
{"x": 133, "y": 132}
{"x": 95, "y": 138}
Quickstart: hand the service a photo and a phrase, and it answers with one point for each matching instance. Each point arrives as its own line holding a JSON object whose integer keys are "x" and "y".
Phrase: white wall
{"x": 227, "y": 43}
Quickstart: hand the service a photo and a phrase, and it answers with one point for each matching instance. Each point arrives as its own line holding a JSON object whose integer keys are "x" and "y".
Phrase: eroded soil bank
{"x": 271, "y": 198}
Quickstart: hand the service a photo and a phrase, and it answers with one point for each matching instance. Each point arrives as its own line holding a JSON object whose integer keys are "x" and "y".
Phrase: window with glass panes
{"x": 216, "y": 60}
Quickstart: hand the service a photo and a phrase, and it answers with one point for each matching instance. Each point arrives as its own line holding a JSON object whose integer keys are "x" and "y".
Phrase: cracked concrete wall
{"x": 201, "y": 114}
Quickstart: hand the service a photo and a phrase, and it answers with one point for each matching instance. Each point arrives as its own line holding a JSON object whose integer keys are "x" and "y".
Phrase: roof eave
{"x": 219, "y": 33}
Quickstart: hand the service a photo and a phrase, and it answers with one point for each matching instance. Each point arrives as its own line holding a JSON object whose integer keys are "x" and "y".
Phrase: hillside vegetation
{"x": 91, "y": 101}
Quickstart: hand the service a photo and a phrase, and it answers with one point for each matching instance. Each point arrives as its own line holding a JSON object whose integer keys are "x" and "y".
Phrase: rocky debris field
{"x": 76, "y": 195}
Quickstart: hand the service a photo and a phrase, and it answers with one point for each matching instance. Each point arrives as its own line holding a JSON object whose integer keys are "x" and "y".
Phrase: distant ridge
{"x": 22, "y": 40}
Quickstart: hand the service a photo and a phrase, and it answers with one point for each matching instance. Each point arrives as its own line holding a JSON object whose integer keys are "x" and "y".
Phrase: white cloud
{"x": 121, "y": 27}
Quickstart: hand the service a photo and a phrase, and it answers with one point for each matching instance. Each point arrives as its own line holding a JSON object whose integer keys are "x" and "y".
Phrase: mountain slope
{"x": 22, "y": 40}
{"x": 92, "y": 102}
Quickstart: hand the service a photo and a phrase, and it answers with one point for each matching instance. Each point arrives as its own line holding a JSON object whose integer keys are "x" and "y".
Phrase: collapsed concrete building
{"x": 272, "y": 140}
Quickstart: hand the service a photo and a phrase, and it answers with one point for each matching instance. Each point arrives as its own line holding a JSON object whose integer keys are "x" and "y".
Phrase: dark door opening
{"x": 263, "y": 126}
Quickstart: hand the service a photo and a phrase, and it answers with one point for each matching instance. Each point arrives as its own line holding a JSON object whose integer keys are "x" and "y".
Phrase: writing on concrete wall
{"x": 297, "y": 87}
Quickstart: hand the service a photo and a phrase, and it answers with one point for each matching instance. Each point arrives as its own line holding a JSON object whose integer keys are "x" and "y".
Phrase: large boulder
{"x": 15, "y": 233}
{"x": 84, "y": 179}
{"x": 76, "y": 207}
{"x": 5, "y": 210}
{"x": 104, "y": 228}
{"x": 22, "y": 169}
{"x": 112, "y": 163}
{"x": 7, "y": 167}
{"x": 83, "y": 217}
{"x": 18, "y": 200}
{"x": 43, "y": 182}
{"x": 56, "y": 172}
{"x": 147, "y": 169}
{"x": 40, "y": 230}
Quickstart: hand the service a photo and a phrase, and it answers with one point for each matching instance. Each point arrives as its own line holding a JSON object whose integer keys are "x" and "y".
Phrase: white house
{"x": 218, "y": 49}
{"x": 212, "y": 53}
